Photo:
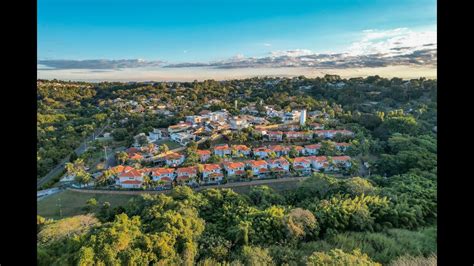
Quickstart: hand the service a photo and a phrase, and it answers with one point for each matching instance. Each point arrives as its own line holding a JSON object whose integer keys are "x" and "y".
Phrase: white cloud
{"x": 292, "y": 53}
{"x": 400, "y": 41}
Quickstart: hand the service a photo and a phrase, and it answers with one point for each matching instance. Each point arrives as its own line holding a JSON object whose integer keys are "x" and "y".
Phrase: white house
{"x": 278, "y": 165}
{"x": 204, "y": 155}
{"x": 222, "y": 150}
{"x": 241, "y": 150}
{"x": 319, "y": 162}
{"x": 279, "y": 150}
{"x": 261, "y": 152}
{"x": 186, "y": 175}
{"x": 174, "y": 159}
{"x": 259, "y": 167}
{"x": 312, "y": 149}
{"x": 182, "y": 138}
{"x": 275, "y": 135}
{"x": 234, "y": 168}
{"x": 212, "y": 173}
{"x": 131, "y": 179}
{"x": 154, "y": 135}
{"x": 302, "y": 164}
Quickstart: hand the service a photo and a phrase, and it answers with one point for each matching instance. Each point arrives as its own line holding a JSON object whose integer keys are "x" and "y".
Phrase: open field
{"x": 72, "y": 203}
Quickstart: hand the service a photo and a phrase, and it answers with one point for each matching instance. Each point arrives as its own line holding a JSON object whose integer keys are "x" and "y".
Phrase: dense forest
{"x": 387, "y": 216}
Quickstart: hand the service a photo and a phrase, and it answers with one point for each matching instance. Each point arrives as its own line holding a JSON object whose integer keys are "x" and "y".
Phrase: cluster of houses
{"x": 175, "y": 159}
{"x": 220, "y": 121}
{"x": 304, "y": 135}
{"x": 129, "y": 177}
{"x": 266, "y": 151}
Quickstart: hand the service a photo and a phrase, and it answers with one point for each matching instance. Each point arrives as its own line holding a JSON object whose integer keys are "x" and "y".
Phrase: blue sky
{"x": 191, "y": 31}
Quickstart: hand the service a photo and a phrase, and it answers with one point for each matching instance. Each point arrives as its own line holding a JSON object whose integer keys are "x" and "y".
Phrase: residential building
{"x": 130, "y": 179}
{"x": 258, "y": 167}
{"x": 342, "y": 146}
{"x": 194, "y": 119}
{"x": 319, "y": 162}
{"x": 241, "y": 150}
{"x": 279, "y": 150}
{"x": 174, "y": 159}
{"x": 344, "y": 161}
{"x": 299, "y": 149}
{"x": 234, "y": 168}
{"x": 154, "y": 135}
{"x": 278, "y": 165}
{"x": 312, "y": 149}
{"x": 183, "y": 138}
{"x": 186, "y": 175}
{"x": 275, "y": 135}
{"x": 212, "y": 173}
{"x": 204, "y": 155}
{"x": 222, "y": 150}
{"x": 238, "y": 123}
{"x": 261, "y": 152}
{"x": 302, "y": 164}
{"x": 163, "y": 174}
{"x": 182, "y": 126}
{"x": 294, "y": 135}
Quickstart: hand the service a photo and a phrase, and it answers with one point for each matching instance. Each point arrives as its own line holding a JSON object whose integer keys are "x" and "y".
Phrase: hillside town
{"x": 288, "y": 149}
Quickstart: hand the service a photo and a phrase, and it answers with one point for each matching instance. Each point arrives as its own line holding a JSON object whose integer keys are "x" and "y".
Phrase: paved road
{"x": 79, "y": 150}
{"x": 228, "y": 185}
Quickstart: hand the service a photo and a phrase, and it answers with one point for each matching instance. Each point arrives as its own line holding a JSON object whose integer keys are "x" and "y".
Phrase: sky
{"x": 187, "y": 40}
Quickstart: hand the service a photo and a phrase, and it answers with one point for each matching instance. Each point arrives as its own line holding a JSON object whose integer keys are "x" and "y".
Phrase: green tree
{"x": 339, "y": 257}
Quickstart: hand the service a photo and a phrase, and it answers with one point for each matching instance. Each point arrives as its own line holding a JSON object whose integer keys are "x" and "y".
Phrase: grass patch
{"x": 171, "y": 144}
{"x": 73, "y": 202}
{"x": 278, "y": 187}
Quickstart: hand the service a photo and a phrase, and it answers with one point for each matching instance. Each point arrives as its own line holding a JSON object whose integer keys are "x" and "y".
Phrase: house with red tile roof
{"x": 312, "y": 149}
{"x": 186, "y": 174}
{"x": 163, "y": 175}
{"x": 344, "y": 161}
{"x": 275, "y": 135}
{"x": 204, "y": 155}
{"x": 319, "y": 162}
{"x": 302, "y": 164}
{"x": 342, "y": 146}
{"x": 279, "y": 150}
{"x": 212, "y": 173}
{"x": 130, "y": 179}
{"x": 234, "y": 168}
{"x": 135, "y": 156}
{"x": 119, "y": 169}
{"x": 261, "y": 152}
{"x": 293, "y": 135}
{"x": 258, "y": 167}
{"x": 278, "y": 165}
{"x": 298, "y": 149}
{"x": 241, "y": 150}
{"x": 222, "y": 150}
{"x": 174, "y": 159}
